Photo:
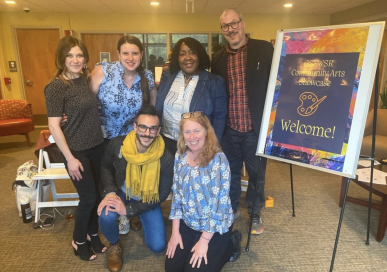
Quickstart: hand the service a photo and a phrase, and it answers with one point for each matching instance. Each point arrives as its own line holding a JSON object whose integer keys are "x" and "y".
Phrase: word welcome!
{"x": 318, "y": 131}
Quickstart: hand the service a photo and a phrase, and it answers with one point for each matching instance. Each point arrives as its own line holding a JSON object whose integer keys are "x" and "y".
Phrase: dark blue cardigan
{"x": 209, "y": 97}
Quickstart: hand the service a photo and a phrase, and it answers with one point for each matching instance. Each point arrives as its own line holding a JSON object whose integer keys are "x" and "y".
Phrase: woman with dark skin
{"x": 188, "y": 87}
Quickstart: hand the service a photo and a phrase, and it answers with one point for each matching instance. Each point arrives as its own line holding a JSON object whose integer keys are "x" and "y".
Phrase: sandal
{"x": 96, "y": 244}
{"x": 83, "y": 251}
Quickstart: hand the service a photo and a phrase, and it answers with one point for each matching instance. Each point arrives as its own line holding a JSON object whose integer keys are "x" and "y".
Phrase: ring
{"x": 200, "y": 258}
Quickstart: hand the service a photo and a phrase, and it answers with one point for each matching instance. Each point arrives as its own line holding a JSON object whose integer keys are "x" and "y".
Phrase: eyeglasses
{"x": 144, "y": 128}
{"x": 233, "y": 25}
{"x": 188, "y": 115}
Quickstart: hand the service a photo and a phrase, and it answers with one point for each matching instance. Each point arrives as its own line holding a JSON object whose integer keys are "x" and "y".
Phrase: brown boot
{"x": 135, "y": 223}
{"x": 114, "y": 258}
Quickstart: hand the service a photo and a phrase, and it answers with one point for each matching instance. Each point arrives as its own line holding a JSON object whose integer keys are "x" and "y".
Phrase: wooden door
{"x": 37, "y": 56}
{"x": 97, "y": 43}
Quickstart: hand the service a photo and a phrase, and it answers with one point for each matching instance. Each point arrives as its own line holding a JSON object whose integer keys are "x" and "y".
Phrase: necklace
{"x": 187, "y": 81}
{"x": 192, "y": 157}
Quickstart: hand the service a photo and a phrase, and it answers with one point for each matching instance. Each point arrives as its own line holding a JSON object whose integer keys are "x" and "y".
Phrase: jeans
{"x": 241, "y": 147}
{"x": 152, "y": 224}
{"x": 86, "y": 218}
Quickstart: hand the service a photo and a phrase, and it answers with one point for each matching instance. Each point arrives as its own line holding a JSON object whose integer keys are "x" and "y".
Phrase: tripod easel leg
{"x": 339, "y": 226}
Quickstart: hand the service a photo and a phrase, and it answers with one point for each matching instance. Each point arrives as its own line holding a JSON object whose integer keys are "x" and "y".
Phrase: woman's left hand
{"x": 199, "y": 253}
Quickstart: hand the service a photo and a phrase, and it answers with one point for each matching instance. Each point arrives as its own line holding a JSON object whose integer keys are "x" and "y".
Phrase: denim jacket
{"x": 209, "y": 97}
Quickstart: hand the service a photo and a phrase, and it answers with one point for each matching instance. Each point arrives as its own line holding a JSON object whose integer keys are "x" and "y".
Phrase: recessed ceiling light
{"x": 10, "y": 2}
{"x": 155, "y": 3}
{"x": 288, "y": 5}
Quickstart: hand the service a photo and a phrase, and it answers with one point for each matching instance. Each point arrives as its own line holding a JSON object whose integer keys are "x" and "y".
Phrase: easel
{"x": 376, "y": 96}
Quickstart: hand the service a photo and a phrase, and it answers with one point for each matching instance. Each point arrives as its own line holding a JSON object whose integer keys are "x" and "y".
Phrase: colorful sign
{"x": 316, "y": 80}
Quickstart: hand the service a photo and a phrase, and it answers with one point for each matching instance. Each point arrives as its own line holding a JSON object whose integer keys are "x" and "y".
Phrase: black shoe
{"x": 236, "y": 238}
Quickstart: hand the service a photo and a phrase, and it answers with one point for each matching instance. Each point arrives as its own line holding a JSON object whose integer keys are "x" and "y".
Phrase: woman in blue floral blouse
{"x": 122, "y": 87}
{"x": 201, "y": 213}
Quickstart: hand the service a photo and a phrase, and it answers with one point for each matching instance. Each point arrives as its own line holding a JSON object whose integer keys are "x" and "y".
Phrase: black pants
{"x": 86, "y": 218}
{"x": 241, "y": 147}
{"x": 219, "y": 251}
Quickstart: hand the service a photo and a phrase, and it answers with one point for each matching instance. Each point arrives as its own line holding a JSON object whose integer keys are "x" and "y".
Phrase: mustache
{"x": 149, "y": 137}
{"x": 231, "y": 33}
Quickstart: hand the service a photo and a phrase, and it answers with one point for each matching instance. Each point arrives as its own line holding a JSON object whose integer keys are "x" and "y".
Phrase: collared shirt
{"x": 118, "y": 103}
{"x": 239, "y": 117}
{"x": 201, "y": 194}
{"x": 177, "y": 102}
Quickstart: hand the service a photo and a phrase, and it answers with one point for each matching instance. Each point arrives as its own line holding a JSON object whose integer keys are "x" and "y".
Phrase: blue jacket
{"x": 209, "y": 97}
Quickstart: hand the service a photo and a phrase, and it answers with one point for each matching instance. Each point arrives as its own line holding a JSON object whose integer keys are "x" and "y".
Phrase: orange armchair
{"x": 16, "y": 118}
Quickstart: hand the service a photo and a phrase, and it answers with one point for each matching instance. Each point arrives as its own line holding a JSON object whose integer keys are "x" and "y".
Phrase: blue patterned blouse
{"x": 118, "y": 103}
{"x": 201, "y": 194}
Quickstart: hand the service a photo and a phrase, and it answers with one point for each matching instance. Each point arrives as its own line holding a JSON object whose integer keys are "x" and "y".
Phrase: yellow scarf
{"x": 142, "y": 182}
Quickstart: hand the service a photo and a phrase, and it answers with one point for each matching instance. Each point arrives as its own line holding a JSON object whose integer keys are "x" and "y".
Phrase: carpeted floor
{"x": 301, "y": 243}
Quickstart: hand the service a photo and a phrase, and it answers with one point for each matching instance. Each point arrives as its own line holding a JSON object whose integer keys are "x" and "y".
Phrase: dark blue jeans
{"x": 241, "y": 147}
{"x": 152, "y": 224}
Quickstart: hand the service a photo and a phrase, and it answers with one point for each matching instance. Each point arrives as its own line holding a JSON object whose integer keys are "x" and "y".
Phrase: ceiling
{"x": 326, "y": 7}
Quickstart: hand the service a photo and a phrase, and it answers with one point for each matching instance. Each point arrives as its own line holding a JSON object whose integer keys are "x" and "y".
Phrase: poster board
{"x": 318, "y": 95}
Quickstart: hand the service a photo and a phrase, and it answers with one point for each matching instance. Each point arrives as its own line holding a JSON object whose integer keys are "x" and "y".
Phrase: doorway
{"x": 37, "y": 61}
{"x": 101, "y": 43}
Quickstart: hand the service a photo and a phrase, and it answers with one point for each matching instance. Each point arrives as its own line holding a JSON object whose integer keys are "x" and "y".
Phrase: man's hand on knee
{"x": 104, "y": 203}
{"x": 117, "y": 205}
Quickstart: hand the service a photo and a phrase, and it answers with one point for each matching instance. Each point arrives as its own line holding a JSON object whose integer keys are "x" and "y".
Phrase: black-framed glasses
{"x": 233, "y": 25}
{"x": 188, "y": 115}
{"x": 144, "y": 128}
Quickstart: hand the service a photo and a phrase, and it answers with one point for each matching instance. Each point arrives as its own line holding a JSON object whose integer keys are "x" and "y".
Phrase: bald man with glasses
{"x": 245, "y": 65}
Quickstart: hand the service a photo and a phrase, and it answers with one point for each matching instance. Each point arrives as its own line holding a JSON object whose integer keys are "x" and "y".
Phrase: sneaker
{"x": 236, "y": 238}
{"x": 123, "y": 224}
{"x": 257, "y": 226}
{"x": 237, "y": 213}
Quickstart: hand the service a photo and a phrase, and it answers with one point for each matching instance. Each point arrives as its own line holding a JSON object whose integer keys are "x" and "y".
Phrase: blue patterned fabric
{"x": 118, "y": 103}
{"x": 201, "y": 194}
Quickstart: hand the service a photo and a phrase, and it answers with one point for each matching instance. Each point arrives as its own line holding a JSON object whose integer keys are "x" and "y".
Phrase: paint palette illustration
{"x": 309, "y": 103}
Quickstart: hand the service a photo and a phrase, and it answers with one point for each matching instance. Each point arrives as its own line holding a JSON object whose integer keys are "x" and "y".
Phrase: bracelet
{"x": 205, "y": 238}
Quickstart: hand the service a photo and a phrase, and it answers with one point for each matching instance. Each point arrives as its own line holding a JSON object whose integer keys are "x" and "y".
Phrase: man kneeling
{"x": 136, "y": 176}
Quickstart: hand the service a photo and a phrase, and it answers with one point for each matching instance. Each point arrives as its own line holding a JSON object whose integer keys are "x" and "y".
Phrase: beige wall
{"x": 370, "y": 12}
{"x": 373, "y": 11}
{"x": 260, "y": 27}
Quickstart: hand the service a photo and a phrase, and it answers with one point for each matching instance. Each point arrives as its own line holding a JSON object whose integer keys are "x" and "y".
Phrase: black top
{"x": 113, "y": 174}
{"x": 83, "y": 127}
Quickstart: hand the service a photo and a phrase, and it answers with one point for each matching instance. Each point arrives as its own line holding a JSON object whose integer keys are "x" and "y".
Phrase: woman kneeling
{"x": 201, "y": 209}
